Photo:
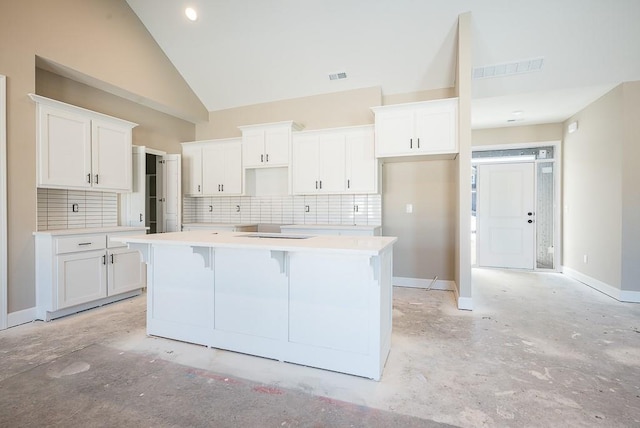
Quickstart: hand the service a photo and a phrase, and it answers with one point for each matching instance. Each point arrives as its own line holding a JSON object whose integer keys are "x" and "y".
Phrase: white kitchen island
{"x": 320, "y": 301}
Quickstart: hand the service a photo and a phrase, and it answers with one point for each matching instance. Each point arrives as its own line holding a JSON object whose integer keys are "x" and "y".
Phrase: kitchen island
{"x": 320, "y": 301}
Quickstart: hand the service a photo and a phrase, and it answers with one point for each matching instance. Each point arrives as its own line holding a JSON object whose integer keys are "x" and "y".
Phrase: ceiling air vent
{"x": 337, "y": 76}
{"x": 508, "y": 68}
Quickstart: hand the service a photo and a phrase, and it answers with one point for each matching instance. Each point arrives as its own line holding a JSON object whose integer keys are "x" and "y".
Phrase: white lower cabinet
{"x": 81, "y": 278}
{"x": 77, "y": 272}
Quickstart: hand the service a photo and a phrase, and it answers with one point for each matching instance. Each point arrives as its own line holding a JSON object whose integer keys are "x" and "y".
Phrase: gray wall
{"x": 595, "y": 196}
{"x": 101, "y": 41}
{"x": 426, "y": 237}
{"x": 631, "y": 188}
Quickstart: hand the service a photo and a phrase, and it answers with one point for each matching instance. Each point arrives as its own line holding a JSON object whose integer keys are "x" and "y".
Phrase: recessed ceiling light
{"x": 191, "y": 13}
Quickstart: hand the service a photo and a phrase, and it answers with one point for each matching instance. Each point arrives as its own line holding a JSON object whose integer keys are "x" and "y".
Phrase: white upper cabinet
{"x": 212, "y": 167}
{"x": 267, "y": 145}
{"x": 82, "y": 149}
{"x": 424, "y": 128}
{"x": 361, "y": 165}
{"x": 337, "y": 160}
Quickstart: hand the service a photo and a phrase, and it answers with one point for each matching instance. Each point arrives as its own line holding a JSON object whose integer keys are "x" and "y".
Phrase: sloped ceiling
{"x": 242, "y": 52}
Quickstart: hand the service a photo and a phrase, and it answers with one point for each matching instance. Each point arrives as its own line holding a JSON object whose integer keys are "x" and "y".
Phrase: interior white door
{"x": 171, "y": 185}
{"x": 506, "y": 215}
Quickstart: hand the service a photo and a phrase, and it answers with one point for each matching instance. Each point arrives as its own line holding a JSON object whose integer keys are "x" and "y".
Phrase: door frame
{"x": 3, "y": 204}
{"x": 557, "y": 182}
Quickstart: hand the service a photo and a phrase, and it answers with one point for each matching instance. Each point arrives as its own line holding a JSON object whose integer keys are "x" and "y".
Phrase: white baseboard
{"x": 465, "y": 303}
{"x": 440, "y": 284}
{"x": 603, "y": 287}
{"x": 21, "y": 317}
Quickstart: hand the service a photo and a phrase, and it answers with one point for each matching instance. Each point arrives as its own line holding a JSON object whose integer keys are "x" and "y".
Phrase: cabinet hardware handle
{"x": 141, "y": 217}
{"x": 411, "y": 143}
{"x": 198, "y": 188}
{"x": 316, "y": 184}
{"x": 210, "y": 208}
{"x": 418, "y": 142}
{"x": 89, "y": 178}
{"x": 104, "y": 260}
{"x": 237, "y": 208}
{"x": 348, "y": 184}
{"x": 111, "y": 258}
{"x": 96, "y": 178}
{"x": 355, "y": 208}
{"x": 267, "y": 157}
{"x": 529, "y": 221}
{"x": 84, "y": 243}
{"x": 261, "y": 158}
{"x": 321, "y": 184}
{"x": 222, "y": 187}
{"x": 306, "y": 208}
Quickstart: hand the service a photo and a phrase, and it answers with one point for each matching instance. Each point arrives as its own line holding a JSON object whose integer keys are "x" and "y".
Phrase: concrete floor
{"x": 538, "y": 350}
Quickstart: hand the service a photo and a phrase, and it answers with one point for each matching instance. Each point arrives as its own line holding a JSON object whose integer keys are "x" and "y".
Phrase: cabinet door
{"x": 125, "y": 271}
{"x": 110, "y": 156}
{"x": 253, "y": 148}
{"x": 232, "y": 172}
{"x": 222, "y": 169}
{"x": 394, "y": 133}
{"x": 212, "y": 169}
{"x": 276, "y": 146}
{"x": 436, "y": 129}
{"x": 64, "y": 149}
{"x": 192, "y": 168}
{"x": 81, "y": 278}
{"x": 305, "y": 164}
{"x": 361, "y": 164}
{"x": 331, "y": 161}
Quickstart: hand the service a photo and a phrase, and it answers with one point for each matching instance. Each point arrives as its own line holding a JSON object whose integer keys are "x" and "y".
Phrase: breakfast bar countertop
{"x": 372, "y": 245}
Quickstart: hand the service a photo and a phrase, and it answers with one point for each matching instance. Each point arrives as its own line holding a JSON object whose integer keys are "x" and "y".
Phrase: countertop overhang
{"x": 371, "y": 245}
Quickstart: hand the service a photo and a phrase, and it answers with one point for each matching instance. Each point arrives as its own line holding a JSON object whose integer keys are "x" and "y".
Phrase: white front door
{"x": 506, "y": 215}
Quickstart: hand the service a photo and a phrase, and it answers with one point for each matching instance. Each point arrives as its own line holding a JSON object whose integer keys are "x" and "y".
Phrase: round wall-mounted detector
{"x": 191, "y": 13}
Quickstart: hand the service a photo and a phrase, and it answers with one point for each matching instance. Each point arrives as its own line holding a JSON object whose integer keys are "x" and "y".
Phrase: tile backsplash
{"x": 93, "y": 209}
{"x": 310, "y": 209}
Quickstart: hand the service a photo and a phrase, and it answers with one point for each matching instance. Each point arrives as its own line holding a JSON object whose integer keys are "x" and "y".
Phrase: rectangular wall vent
{"x": 509, "y": 68}
{"x": 337, "y": 76}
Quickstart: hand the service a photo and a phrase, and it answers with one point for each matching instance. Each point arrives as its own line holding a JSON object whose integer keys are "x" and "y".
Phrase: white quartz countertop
{"x": 219, "y": 224}
{"x": 330, "y": 226}
{"x": 372, "y": 245}
{"x": 60, "y": 232}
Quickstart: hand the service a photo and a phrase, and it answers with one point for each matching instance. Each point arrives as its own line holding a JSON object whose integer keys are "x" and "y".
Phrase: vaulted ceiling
{"x": 242, "y": 52}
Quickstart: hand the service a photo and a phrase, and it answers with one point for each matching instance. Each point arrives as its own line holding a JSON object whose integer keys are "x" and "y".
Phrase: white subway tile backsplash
{"x": 94, "y": 209}
{"x": 309, "y": 209}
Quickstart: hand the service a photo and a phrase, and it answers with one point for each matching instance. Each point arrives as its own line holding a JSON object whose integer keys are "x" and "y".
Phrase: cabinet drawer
{"x": 74, "y": 244}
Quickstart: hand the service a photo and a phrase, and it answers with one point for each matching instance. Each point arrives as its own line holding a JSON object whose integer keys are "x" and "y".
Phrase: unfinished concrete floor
{"x": 539, "y": 350}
